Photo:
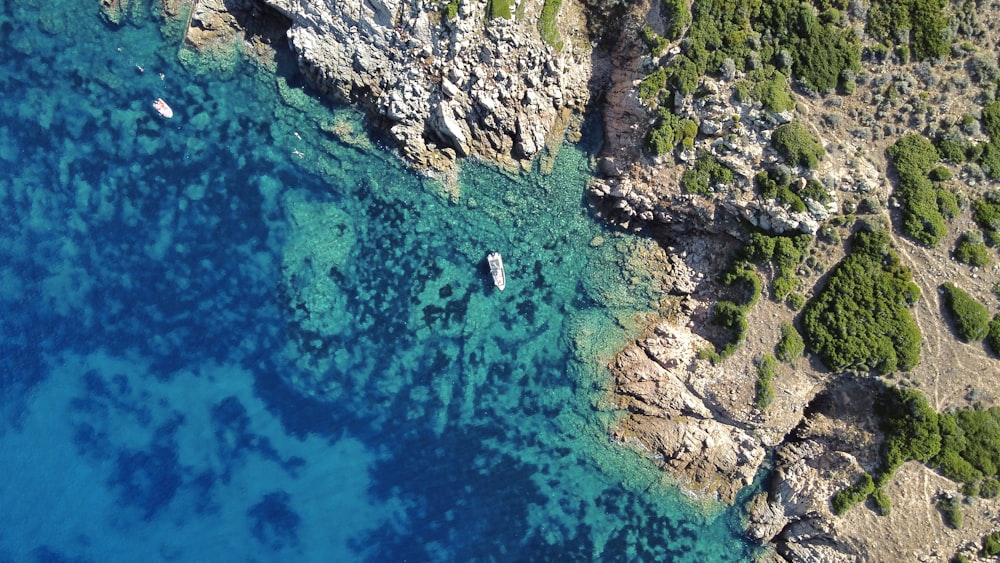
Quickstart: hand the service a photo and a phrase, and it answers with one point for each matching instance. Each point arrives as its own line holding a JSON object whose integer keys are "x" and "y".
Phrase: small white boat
{"x": 496, "y": 270}
{"x": 162, "y": 108}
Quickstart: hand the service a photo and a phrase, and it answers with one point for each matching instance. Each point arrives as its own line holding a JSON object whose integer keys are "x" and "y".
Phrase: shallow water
{"x": 246, "y": 334}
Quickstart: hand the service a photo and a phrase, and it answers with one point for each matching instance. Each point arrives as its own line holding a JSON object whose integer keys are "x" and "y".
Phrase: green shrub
{"x": 972, "y": 252}
{"x": 677, "y": 17}
{"x": 657, "y": 45}
{"x": 786, "y": 252}
{"x": 988, "y": 155}
{"x": 707, "y": 173}
{"x": 970, "y": 446}
{"x": 797, "y": 144}
{"x": 849, "y": 496}
{"x": 947, "y": 203}
{"x": 882, "y": 503}
{"x": 771, "y": 89}
{"x": 913, "y": 157}
{"x": 939, "y": 174}
{"x": 924, "y": 19}
{"x": 652, "y": 84}
{"x": 796, "y": 301}
{"x": 451, "y": 10}
{"x": 991, "y": 544}
{"x": 821, "y": 48}
{"x": 970, "y": 317}
{"x": 993, "y": 336}
{"x": 911, "y": 427}
{"x": 989, "y": 488}
{"x": 952, "y": 150}
{"x": 986, "y": 213}
{"x": 991, "y": 119}
{"x": 791, "y": 345}
{"x": 709, "y": 354}
{"x": 670, "y": 131}
{"x": 742, "y": 275}
{"x": 951, "y": 512}
{"x": 860, "y": 319}
{"x": 777, "y": 184}
{"x": 732, "y": 314}
{"x": 815, "y": 191}
{"x": 970, "y": 489}
{"x": 760, "y": 247}
{"x": 767, "y": 368}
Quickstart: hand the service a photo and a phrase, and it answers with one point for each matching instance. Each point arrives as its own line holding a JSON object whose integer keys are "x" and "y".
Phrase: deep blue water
{"x": 247, "y": 334}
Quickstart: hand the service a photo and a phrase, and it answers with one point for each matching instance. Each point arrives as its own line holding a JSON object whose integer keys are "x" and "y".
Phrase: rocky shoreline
{"x": 445, "y": 86}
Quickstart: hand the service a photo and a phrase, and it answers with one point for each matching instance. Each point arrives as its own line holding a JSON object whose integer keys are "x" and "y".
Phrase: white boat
{"x": 496, "y": 270}
{"x": 162, "y": 108}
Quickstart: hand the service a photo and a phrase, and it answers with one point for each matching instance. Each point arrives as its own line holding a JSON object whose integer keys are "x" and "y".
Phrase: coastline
{"x": 220, "y": 370}
{"x": 673, "y": 428}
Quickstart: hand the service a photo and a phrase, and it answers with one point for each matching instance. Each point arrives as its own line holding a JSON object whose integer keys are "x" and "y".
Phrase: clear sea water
{"x": 213, "y": 349}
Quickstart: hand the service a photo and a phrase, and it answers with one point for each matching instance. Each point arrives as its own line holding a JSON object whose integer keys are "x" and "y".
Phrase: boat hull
{"x": 497, "y": 270}
{"x": 163, "y": 109}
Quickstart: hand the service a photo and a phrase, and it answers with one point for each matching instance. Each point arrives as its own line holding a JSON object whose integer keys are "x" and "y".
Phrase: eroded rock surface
{"x": 444, "y": 87}
{"x": 669, "y": 418}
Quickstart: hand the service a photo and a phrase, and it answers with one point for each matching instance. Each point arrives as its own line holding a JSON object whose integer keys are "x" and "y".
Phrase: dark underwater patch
{"x": 273, "y": 522}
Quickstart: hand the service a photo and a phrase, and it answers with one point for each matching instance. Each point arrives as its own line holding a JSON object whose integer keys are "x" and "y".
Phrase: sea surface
{"x": 248, "y": 334}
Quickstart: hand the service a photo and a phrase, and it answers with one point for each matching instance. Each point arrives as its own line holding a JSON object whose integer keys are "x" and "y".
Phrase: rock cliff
{"x": 445, "y": 85}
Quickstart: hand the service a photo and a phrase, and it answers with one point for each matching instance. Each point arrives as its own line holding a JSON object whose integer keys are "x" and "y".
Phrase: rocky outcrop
{"x": 738, "y": 134}
{"x": 669, "y": 418}
{"x": 835, "y": 443}
{"x": 444, "y": 86}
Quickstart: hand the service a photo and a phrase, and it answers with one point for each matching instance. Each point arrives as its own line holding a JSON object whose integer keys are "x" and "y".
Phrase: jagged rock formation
{"x": 670, "y": 418}
{"x": 834, "y": 444}
{"x": 443, "y": 87}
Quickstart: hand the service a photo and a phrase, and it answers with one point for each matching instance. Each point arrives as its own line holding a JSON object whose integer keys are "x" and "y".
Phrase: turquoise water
{"x": 247, "y": 334}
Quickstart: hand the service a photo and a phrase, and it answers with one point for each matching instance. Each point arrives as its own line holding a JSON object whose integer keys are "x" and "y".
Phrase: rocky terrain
{"x": 820, "y": 425}
{"x": 444, "y": 87}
